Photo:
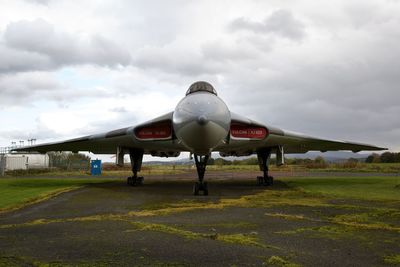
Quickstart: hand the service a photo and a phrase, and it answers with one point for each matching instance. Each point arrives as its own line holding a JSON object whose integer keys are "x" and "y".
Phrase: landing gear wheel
{"x": 140, "y": 180}
{"x": 205, "y": 189}
{"x": 268, "y": 181}
{"x": 196, "y": 188}
{"x": 133, "y": 181}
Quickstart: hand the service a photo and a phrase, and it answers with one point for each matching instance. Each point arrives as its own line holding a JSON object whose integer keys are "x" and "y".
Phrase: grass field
{"x": 17, "y": 192}
{"x": 333, "y": 167}
{"x": 365, "y": 188}
{"x": 26, "y": 189}
{"x": 340, "y": 212}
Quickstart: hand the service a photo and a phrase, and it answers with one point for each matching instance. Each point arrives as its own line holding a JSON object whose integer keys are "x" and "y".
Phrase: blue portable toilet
{"x": 95, "y": 167}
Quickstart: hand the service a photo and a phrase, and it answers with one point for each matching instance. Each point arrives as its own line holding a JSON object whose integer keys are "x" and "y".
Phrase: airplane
{"x": 200, "y": 124}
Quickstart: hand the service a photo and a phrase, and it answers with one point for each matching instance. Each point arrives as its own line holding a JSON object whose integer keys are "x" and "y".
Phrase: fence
{"x": 2, "y": 165}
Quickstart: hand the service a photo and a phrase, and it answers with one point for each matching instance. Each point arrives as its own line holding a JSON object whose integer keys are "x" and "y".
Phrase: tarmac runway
{"x": 162, "y": 224}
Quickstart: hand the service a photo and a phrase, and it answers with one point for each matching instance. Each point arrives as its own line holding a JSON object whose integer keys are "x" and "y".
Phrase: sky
{"x": 325, "y": 68}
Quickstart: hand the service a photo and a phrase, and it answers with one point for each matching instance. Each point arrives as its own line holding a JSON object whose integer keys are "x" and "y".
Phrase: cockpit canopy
{"x": 201, "y": 87}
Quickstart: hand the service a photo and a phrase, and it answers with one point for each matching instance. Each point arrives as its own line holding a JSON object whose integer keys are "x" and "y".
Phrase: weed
{"x": 240, "y": 239}
{"x": 278, "y": 261}
{"x": 392, "y": 259}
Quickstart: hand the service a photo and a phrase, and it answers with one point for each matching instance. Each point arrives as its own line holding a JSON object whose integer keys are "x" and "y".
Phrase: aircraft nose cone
{"x": 202, "y": 120}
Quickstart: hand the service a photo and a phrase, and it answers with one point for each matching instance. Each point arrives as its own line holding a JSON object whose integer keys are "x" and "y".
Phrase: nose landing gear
{"x": 201, "y": 163}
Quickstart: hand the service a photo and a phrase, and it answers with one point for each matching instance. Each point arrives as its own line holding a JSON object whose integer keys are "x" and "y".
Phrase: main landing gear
{"x": 136, "y": 157}
{"x": 201, "y": 163}
{"x": 263, "y": 158}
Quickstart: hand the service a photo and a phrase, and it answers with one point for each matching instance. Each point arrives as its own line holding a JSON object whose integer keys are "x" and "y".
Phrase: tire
{"x": 205, "y": 189}
{"x": 196, "y": 189}
{"x": 140, "y": 180}
{"x": 205, "y": 192}
{"x": 269, "y": 180}
{"x": 134, "y": 181}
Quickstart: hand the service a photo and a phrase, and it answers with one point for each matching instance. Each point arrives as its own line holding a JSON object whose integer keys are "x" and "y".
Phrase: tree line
{"x": 387, "y": 157}
{"x": 69, "y": 161}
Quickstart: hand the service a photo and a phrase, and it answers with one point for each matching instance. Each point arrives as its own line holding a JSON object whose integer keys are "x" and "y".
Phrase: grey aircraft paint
{"x": 200, "y": 123}
{"x": 201, "y": 120}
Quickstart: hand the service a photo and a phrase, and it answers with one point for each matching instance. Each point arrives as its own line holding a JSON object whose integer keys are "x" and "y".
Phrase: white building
{"x": 10, "y": 162}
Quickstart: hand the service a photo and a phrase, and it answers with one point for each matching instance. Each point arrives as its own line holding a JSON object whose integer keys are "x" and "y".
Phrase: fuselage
{"x": 201, "y": 120}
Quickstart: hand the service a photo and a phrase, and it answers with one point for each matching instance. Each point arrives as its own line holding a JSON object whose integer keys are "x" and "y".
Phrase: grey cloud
{"x": 122, "y": 120}
{"x": 280, "y": 22}
{"x": 336, "y": 78}
{"x": 220, "y": 51}
{"x": 27, "y": 87}
{"x": 45, "y": 48}
{"x": 340, "y": 102}
{"x": 18, "y": 88}
{"x": 13, "y": 60}
{"x": 348, "y": 89}
{"x": 118, "y": 110}
{"x": 40, "y": 132}
{"x": 175, "y": 60}
{"x": 40, "y": 2}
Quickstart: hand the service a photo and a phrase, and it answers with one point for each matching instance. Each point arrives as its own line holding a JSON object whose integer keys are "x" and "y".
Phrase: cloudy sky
{"x": 325, "y": 68}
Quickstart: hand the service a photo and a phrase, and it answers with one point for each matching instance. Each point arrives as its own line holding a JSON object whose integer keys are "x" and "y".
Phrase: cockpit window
{"x": 201, "y": 87}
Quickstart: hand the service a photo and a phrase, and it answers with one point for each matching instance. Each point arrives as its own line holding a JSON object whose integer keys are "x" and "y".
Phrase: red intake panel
{"x": 157, "y": 131}
{"x": 248, "y": 131}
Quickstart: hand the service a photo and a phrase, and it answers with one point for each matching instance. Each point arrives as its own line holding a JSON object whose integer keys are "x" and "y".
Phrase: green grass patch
{"x": 392, "y": 259}
{"x": 18, "y": 192}
{"x": 365, "y": 188}
{"x": 240, "y": 239}
{"x": 278, "y": 261}
{"x": 332, "y": 232}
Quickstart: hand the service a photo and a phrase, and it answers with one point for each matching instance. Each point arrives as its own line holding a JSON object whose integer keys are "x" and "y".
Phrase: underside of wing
{"x": 154, "y": 137}
{"x": 247, "y": 137}
{"x": 299, "y": 143}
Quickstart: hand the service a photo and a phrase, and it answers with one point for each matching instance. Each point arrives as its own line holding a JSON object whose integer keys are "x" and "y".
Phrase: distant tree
{"x": 319, "y": 160}
{"x": 68, "y": 160}
{"x": 397, "y": 158}
{"x": 353, "y": 160}
{"x": 387, "y": 157}
{"x": 272, "y": 161}
{"x": 219, "y": 162}
{"x": 236, "y": 162}
{"x": 250, "y": 161}
{"x": 373, "y": 158}
{"x": 318, "y": 163}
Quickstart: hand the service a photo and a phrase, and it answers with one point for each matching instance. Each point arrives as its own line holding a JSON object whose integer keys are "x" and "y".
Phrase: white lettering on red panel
{"x": 247, "y": 131}
{"x": 161, "y": 131}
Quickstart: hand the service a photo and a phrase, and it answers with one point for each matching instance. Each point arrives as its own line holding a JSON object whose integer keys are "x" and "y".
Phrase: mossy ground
{"x": 161, "y": 224}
